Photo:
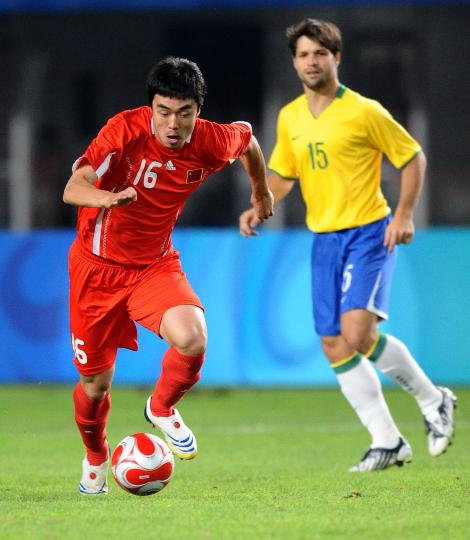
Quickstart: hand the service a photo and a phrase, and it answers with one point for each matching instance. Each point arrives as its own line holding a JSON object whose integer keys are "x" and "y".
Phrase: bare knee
{"x": 184, "y": 327}
{"x": 191, "y": 341}
{"x": 335, "y": 348}
{"x": 97, "y": 386}
{"x": 328, "y": 345}
{"x": 359, "y": 329}
{"x": 359, "y": 339}
{"x": 95, "y": 393}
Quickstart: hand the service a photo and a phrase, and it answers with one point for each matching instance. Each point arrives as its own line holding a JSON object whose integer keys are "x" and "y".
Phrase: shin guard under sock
{"x": 91, "y": 417}
{"x": 179, "y": 373}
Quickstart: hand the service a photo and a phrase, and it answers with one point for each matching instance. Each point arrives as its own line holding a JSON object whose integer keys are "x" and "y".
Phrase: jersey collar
{"x": 340, "y": 92}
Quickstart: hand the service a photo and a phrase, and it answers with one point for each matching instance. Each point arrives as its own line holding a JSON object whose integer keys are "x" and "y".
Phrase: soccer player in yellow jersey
{"x": 332, "y": 140}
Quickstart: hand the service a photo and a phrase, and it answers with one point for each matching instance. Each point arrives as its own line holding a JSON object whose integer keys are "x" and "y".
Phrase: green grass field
{"x": 271, "y": 464}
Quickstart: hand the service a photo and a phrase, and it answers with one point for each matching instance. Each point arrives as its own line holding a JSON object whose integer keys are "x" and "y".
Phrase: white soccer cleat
{"x": 94, "y": 479}
{"x": 439, "y": 425}
{"x": 178, "y": 436}
{"x": 377, "y": 459}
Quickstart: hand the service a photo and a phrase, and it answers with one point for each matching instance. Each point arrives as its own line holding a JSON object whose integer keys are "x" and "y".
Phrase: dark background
{"x": 68, "y": 71}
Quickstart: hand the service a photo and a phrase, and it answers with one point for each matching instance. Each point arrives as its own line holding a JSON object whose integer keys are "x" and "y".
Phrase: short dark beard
{"x": 318, "y": 86}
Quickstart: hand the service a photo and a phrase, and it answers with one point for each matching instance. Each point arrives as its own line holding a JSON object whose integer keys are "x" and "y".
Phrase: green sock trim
{"x": 348, "y": 365}
{"x": 373, "y": 357}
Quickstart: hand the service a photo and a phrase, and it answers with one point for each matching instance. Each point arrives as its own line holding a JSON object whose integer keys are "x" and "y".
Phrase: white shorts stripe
{"x": 371, "y": 304}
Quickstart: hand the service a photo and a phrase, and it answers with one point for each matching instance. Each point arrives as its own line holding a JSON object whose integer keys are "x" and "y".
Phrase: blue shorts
{"x": 351, "y": 269}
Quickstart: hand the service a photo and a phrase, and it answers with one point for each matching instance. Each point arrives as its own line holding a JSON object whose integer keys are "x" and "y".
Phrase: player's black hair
{"x": 326, "y": 33}
{"x": 176, "y": 78}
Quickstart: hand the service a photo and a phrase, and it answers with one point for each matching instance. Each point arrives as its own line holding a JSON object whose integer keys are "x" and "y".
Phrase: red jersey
{"x": 127, "y": 152}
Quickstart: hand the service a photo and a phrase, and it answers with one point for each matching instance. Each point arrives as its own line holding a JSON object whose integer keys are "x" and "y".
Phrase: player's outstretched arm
{"x": 401, "y": 229}
{"x": 81, "y": 191}
{"x": 280, "y": 188}
{"x": 255, "y": 166}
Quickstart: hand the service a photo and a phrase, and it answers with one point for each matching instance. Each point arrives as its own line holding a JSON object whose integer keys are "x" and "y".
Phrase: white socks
{"x": 361, "y": 387}
{"x": 396, "y": 361}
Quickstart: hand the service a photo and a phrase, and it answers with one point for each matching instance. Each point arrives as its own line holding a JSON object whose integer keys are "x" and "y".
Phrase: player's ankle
{"x": 96, "y": 458}
{"x": 157, "y": 409}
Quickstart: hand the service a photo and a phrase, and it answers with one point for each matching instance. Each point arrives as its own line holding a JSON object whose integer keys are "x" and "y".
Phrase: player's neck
{"x": 320, "y": 98}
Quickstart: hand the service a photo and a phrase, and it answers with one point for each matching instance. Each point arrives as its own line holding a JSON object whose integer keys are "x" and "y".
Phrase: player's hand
{"x": 263, "y": 205}
{"x": 399, "y": 231}
{"x": 248, "y": 221}
{"x": 122, "y": 198}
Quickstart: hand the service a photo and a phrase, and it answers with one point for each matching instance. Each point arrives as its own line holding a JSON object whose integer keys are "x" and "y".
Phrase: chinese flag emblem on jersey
{"x": 194, "y": 175}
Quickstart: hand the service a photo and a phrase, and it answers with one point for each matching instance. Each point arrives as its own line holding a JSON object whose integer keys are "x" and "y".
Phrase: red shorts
{"x": 106, "y": 299}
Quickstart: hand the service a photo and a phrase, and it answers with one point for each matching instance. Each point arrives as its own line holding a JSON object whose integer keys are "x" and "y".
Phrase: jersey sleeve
{"x": 227, "y": 142}
{"x": 387, "y": 135}
{"x": 106, "y": 149}
{"x": 282, "y": 160}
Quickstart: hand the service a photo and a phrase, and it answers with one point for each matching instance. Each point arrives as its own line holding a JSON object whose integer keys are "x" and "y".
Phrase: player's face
{"x": 174, "y": 120}
{"x": 316, "y": 66}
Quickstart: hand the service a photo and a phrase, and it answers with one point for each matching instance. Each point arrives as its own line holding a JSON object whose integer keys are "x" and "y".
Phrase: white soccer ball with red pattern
{"x": 142, "y": 464}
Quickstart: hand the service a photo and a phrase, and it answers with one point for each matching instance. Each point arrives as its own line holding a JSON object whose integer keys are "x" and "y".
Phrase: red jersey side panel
{"x": 126, "y": 152}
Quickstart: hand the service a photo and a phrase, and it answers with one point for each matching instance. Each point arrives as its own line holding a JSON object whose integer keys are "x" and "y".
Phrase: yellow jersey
{"x": 337, "y": 157}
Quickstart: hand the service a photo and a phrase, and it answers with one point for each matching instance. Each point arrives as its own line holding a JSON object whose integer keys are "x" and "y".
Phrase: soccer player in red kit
{"x": 130, "y": 186}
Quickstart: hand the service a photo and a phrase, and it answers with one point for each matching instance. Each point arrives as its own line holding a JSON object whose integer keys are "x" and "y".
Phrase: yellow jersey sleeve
{"x": 283, "y": 160}
{"x": 388, "y": 136}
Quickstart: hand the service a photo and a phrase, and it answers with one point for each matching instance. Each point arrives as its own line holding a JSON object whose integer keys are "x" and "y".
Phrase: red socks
{"x": 179, "y": 373}
{"x": 91, "y": 417}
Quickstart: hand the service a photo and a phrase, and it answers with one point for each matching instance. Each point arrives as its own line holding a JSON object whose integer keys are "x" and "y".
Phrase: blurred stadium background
{"x": 67, "y": 66}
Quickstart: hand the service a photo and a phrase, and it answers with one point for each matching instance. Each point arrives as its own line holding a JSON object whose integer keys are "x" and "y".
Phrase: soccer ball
{"x": 142, "y": 464}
